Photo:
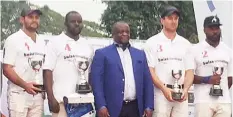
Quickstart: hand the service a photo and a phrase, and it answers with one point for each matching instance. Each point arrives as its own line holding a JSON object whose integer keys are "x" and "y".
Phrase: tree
{"x": 50, "y": 21}
{"x": 144, "y": 17}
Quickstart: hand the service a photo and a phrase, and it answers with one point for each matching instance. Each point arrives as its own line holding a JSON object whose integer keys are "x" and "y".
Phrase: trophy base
{"x": 83, "y": 88}
{"x": 40, "y": 87}
{"x": 216, "y": 92}
{"x": 80, "y": 98}
{"x": 176, "y": 95}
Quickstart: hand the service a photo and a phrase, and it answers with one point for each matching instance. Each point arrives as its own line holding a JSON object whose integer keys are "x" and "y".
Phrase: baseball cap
{"x": 29, "y": 10}
{"x": 212, "y": 21}
{"x": 170, "y": 10}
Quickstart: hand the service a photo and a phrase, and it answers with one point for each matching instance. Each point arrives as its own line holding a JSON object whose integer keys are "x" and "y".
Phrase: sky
{"x": 90, "y": 10}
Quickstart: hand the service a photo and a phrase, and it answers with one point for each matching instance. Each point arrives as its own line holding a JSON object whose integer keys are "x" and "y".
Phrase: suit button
{"x": 122, "y": 92}
{"x": 123, "y": 80}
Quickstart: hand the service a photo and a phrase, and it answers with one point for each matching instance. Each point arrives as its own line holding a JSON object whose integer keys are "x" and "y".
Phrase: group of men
{"x": 126, "y": 82}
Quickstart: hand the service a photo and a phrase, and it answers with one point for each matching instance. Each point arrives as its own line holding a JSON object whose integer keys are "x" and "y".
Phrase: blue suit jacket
{"x": 107, "y": 80}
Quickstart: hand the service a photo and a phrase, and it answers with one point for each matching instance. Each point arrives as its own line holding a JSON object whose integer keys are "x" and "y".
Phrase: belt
{"x": 171, "y": 86}
{"x": 129, "y": 101}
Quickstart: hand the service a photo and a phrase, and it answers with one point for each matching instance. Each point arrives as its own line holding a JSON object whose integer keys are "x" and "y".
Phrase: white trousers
{"x": 22, "y": 104}
{"x": 213, "y": 110}
{"x": 164, "y": 108}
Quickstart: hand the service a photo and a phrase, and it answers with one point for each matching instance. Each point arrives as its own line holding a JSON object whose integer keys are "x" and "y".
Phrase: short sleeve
{"x": 10, "y": 51}
{"x": 230, "y": 66}
{"x": 150, "y": 54}
{"x": 50, "y": 56}
{"x": 189, "y": 61}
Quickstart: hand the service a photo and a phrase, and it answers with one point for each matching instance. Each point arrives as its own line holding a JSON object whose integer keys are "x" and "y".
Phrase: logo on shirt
{"x": 204, "y": 54}
{"x": 46, "y": 42}
{"x": 215, "y": 61}
{"x": 27, "y": 46}
{"x": 168, "y": 59}
{"x": 159, "y": 48}
{"x": 67, "y": 48}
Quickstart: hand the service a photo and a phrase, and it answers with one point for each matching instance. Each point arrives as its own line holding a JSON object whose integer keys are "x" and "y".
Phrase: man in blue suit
{"x": 120, "y": 78}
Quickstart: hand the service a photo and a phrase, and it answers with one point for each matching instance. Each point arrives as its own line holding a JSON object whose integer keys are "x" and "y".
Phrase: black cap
{"x": 212, "y": 21}
{"x": 29, "y": 10}
{"x": 170, "y": 10}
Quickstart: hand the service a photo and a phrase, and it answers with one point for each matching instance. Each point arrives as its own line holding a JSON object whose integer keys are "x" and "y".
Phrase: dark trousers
{"x": 129, "y": 109}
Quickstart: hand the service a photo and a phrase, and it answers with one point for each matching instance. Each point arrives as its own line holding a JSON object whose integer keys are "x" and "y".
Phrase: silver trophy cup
{"x": 83, "y": 86}
{"x": 36, "y": 65}
{"x": 216, "y": 89}
{"x": 176, "y": 94}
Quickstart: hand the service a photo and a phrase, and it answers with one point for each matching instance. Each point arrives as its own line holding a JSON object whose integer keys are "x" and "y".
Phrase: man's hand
{"x": 103, "y": 112}
{"x": 184, "y": 96}
{"x": 54, "y": 105}
{"x": 31, "y": 89}
{"x": 215, "y": 79}
{"x": 148, "y": 113}
{"x": 167, "y": 92}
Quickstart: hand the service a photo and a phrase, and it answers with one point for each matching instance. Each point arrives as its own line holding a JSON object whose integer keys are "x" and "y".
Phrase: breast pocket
{"x": 138, "y": 66}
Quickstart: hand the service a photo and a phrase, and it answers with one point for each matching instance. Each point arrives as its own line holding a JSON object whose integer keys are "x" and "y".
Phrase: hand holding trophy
{"x": 36, "y": 65}
{"x": 216, "y": 89}
{"x": 177, "y": 93}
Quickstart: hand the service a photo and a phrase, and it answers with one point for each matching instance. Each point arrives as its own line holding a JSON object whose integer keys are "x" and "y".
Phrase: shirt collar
{"x": 25, "y": 35}
{"x": 204, "y": 42}
{"x": 167, "y": 39}
{"x": 70, "y": 39}
{"x": 122, "y": 46}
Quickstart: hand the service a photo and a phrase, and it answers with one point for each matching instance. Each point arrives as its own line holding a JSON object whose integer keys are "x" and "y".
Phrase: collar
{"x": 25, "y": 35}
{"x": 166, "y": 38}
{"x": 70, "y": 39}
{"x": 204, "y": 42}
{"x": 123, "y": 46}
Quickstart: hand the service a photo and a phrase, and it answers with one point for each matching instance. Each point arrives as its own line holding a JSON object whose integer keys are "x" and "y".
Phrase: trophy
{"x": 36, "y": 65}
{"x": 176, "y": 94}
{"x": 83, "y": 87}
{"x": 216, "y": 89}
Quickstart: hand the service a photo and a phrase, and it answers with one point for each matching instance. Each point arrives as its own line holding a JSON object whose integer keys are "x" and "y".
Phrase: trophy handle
{"x": 174, "y": 74}
{"x": 216, "y": 70}
{"x": 29, "y": 61}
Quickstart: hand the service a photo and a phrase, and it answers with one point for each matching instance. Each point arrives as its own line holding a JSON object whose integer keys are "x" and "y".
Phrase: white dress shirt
{"x": 126, "y": 61}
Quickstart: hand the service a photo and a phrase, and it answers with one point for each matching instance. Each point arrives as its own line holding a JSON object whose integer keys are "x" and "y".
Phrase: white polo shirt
{"x": 19, "y": 49}
{"x": 62, "y": 51}
{"x": 165, "y": 54}
{"x": 206, "y": 58}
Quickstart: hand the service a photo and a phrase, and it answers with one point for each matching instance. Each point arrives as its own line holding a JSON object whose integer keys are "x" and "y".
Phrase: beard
{"x": 215, "y": 37}
{"x": 30, "y": 28}
{"x": 74, "y": 32}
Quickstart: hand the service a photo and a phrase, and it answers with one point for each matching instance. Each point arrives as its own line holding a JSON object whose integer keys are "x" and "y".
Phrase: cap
{"x": 170, "y": 10}
{"x": 212, "y": 21}
{"x": 29, "y": 10}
